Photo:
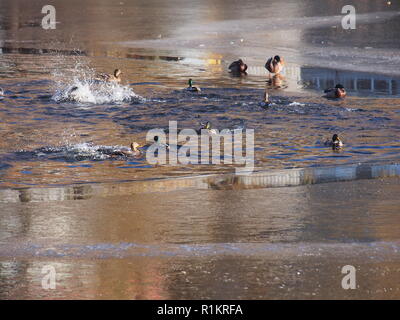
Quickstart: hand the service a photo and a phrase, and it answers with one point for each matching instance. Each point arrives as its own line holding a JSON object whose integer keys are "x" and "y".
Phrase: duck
{"x": 337, "y": 92}
{"x": 156, "y": 140}
{"x": 133, "y": 151}
{"x": 335, "y": 143}
{"x": 238, "y": 67}
{"x": 115, "y": 77}
{"x": 275, "y": 64}
{"x": 207, "y": 127}
{"x": 266, "y": 103}
{"x": 191, "y": 88}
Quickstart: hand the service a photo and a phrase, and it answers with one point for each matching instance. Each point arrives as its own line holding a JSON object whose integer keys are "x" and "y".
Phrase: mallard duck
{"x": 266, "y": 101}
{"x": 156, "y": 140}
{"x": 238, "y": 67}
{"x": 337, "y": 92}
{"x": 207, "y": 127}
{"x": 115, "y": 77}
{"x": 132, "y": 152}
{"x": 191, "y": 88}
{"x": 275, "y": 64}
{"x": 335, "y": 143}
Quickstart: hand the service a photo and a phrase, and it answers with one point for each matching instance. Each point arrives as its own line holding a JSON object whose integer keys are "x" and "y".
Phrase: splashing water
{"x": 83, "y": 87}
{"x": 73, "y": 152}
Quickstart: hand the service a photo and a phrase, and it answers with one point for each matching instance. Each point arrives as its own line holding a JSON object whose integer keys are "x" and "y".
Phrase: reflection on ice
{"x": 263, "y": 179}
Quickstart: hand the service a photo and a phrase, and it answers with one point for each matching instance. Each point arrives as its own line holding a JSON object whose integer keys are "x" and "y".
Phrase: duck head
{"x": 335, "y": 137}
{"x": 243, "y": 66}
{"x": 266, "y": 97}
{"x": 336, "y": 142}
{"x": 190, "y": 83}
{"x": 277, "y": 58}
{"x": 117, "y": 73}
{"x": 339, "y": 86}
{"x": 207, "y": 125}
{"x": 135, "y": 146}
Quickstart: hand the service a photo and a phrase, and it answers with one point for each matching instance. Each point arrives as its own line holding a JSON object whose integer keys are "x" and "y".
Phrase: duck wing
{"x": 234, "y": 64}
{"x": 103, "y": 77}
{"x": 268, "y": 65}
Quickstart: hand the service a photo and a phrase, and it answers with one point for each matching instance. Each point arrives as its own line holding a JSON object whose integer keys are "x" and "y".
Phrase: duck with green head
{"x": 191, "y": 88}
{"x": 207, "y": 128}
{"x": 335, "y": 143}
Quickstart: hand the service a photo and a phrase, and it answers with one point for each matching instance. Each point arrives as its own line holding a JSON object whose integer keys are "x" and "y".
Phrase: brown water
{"x": 121, "y": 228}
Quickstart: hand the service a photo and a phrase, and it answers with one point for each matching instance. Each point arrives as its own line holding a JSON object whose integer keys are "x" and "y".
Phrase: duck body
{"x": 267, "y": 102}
{"x": 115, "y": 77}
{"x": 206, "y": 127}
{"x": 335, "y": 143}
{"x": 133, "y": 151}
{"x": 238, "y": 67}
{"x": 191, "y": 88}
{"x": 275, "y": 64}
{"x": 338, "y": 92}
{"x": 157, "y": 142}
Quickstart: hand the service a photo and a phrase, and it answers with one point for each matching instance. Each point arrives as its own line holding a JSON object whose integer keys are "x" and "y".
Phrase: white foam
{"x": 83, "y": 88}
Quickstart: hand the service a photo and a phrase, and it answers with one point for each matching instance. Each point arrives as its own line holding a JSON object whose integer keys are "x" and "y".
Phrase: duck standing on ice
{"x": 275, "y": 64}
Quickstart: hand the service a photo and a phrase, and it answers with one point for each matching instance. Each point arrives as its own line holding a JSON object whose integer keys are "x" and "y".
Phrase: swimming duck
{"x": 156, "y": 140}
{"x": 275, "y": 64}
{"x": 337, "y": 92}
{"x": 115, "y": 77}
{"x": 335, "y": 143}
{"x": 132, "y": 152}
{"x": 207, "y": 126}
{"x": 267, "y": 102}
{"x": 238, "y": 67}
{"x": 191, "y": 88}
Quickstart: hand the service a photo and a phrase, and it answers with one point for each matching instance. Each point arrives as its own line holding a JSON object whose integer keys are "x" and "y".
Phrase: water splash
{"x": 73, "y": 152}
{"x": 79, "y": 85}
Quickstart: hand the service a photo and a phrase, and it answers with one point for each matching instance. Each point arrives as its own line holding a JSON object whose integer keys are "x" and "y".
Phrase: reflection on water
{"x": 267, "y": 179}
{"x": 358, "y": 83}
